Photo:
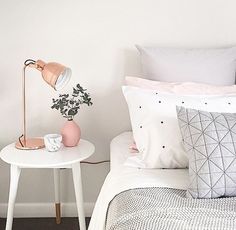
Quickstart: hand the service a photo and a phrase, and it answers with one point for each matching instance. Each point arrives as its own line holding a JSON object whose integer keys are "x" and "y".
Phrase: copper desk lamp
{"x": 57, "y": 76}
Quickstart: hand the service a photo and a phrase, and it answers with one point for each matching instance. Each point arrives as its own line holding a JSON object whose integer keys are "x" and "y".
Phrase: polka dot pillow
{"x": 155, "y": 124}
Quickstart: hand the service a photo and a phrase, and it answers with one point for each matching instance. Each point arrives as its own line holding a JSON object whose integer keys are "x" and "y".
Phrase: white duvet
{"x": 125, "y": 178}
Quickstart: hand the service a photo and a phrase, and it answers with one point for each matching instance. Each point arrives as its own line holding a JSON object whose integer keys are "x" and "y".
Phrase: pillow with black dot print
{"x": 155, "y": 124}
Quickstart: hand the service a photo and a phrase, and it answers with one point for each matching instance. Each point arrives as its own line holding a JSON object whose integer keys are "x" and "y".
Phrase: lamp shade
{"x": 55, "y": 74}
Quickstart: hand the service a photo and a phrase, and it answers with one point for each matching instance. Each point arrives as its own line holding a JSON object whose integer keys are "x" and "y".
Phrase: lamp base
{"x": 30, "y": 144}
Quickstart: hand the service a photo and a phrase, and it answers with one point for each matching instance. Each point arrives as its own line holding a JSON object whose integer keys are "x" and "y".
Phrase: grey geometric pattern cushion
{"x": 210, "y": 141}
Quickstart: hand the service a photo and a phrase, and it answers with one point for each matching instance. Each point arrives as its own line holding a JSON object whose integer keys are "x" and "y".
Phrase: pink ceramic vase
{"x": 70, "y": 134}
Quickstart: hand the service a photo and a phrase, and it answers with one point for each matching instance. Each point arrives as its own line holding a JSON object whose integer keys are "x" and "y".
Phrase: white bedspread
{"x": 124, "y": 178}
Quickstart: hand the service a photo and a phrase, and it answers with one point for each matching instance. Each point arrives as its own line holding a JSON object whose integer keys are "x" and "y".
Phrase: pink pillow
{"x": 180, "y": 88}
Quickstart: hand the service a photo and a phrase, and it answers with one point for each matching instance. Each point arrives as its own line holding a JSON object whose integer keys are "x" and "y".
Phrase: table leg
{"x": 56, "y": 173}
{"x": 15, "y": 174}
{"x": 79, "y": 194}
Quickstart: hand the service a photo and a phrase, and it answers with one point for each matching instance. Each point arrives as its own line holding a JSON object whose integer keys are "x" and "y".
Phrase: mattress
{"x": 119, "y": 149}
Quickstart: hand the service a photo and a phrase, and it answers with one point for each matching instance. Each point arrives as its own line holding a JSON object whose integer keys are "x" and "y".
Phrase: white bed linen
{"x": 122, "y": 178}
{"x": 120, "y": 149}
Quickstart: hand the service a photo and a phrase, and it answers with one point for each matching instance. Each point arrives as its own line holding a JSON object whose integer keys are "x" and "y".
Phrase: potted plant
{"x": 69, "y": 105}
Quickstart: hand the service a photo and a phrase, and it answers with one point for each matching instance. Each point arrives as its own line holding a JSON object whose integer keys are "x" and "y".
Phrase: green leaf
{"x": 72, "y": 112}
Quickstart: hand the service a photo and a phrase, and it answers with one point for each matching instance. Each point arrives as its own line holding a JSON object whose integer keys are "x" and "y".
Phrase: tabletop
{"x": 41, "y": 158}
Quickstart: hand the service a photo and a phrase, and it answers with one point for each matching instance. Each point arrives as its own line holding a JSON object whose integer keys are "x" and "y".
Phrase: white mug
{"x": 52, "y": 142}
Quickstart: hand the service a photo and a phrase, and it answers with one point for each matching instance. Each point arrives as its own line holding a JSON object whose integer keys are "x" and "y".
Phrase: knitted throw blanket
{"x": 169, "y": 209}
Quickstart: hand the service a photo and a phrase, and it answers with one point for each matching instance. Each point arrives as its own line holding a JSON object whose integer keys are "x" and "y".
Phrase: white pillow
{"x": 155, "y": 125}
{"x": 210, "y": 66}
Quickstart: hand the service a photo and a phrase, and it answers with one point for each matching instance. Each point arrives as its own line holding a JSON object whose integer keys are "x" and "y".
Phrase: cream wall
{"x": 96, "y": 39}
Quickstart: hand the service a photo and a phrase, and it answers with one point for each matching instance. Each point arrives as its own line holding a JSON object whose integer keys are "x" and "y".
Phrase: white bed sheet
{"x": 119, "y": 149}
{"x": 122, "y": 178}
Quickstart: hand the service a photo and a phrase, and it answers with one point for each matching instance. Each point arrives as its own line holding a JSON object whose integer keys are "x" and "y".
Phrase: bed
{"x": 133, "y": 198}
{"x": 175, "y": 112}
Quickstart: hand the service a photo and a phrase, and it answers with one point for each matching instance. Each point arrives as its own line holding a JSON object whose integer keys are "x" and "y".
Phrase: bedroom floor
{"x": 43, "y": 223}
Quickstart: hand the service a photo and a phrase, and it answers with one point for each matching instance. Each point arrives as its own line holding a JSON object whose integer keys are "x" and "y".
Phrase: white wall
{"x": 96, "y": 39}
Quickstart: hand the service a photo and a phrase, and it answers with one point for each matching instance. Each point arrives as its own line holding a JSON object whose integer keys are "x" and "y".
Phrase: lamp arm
{"x": 27, "y": 63}
{"x": 24, "y": 104}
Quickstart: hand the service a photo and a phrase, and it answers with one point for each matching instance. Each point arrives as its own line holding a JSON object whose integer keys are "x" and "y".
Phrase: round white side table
{"x": 65, "y": 158}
